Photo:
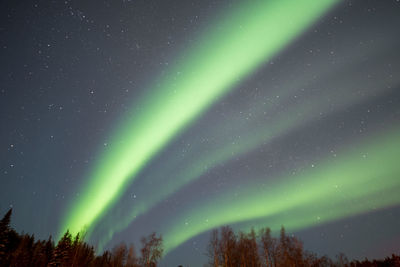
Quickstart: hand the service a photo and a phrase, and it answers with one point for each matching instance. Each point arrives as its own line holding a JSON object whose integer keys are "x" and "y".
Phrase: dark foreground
{"x": 225, "y": 248}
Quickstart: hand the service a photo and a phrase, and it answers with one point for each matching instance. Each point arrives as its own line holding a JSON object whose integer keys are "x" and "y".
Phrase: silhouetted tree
{"x": 131, "y": 259}
{"x": 22, "y": 256}
{"x": 82, "y": 254}
{"x": 324, "y": 261}
{"x": 4, "y": 234}
{"x": 228, "y": 246}
{"x": 290, "y": 250}
{"x": 226, "y": 249}
{"x": 151, "y": 250}
{"x": 248, "y": 250}
{"x": 9, "y": 239}
{"x": 62, "y": 252}
{"x": 119, "y": 255}
{"x": 268, "y": 245}
{"x": 103, "y": 261}
{"x": 42, "y": 252}
{"x": 341, "y": 260}
{"x": 213, "y": 250}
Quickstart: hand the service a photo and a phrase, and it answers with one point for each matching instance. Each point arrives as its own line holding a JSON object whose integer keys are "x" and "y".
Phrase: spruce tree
{"x": 4, "y": 234}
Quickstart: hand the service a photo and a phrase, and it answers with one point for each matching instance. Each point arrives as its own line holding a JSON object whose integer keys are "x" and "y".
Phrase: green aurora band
{"x": 294, "y": 117}
{"x": 233, "y": 49}
{"x": 177, "y": 172}
{"x": 363, "y": 179}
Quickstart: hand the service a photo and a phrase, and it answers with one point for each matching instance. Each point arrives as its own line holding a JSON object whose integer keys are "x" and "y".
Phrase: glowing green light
{"x": 223, "y": 150}
{"x": 252, "y": 34}
{"x": 364, "y": 179}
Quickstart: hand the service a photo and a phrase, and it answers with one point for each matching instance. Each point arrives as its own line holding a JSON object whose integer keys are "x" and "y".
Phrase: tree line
{"x": 22, "y": 250}
{"x": 225, "y": 249}
{"x": 261, "y": 249}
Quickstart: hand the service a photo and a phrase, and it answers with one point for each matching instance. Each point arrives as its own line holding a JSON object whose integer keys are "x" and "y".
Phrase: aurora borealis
{"x": 188, "y": 89}
{"x": 128, "y": 117}
{"x": 355, "y": 180}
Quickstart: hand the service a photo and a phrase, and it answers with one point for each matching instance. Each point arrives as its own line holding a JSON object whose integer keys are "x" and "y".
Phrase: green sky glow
{"x": 295, "y": 116}
{"x": 361, "y": 180}
{"x": 235, "y": 47}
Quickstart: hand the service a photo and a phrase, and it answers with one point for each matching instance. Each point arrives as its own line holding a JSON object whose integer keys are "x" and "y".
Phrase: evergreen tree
{"x": 62, "y": 252}
{"x": 22, "y": 256}
{"x": 4, "y": 234}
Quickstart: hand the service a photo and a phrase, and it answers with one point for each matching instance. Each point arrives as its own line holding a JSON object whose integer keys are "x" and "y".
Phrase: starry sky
{"x": 127, "y": 117}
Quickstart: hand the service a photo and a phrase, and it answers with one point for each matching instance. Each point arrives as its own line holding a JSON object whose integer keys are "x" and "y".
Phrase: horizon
{"x": 178, "y": 117}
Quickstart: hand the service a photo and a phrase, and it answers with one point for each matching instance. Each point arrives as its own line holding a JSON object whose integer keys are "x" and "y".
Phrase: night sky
{"x": 126, "y": 117}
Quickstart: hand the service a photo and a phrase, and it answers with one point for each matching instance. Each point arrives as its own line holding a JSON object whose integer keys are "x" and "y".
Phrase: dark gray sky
{"x": 72, "y": 70}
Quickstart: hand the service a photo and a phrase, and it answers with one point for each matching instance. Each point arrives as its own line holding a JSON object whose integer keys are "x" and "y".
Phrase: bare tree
{"x": 243, "y": 249}
{"x": 151, "y": 250}
{"x": 119, "y": 255}
{"x": 228, "y": 246}
{"x": 290, "y": 251}
{"x": 214, "y": 249}
{"x": 131, "y": 259}
{"x": 268, "y": 244}
{"x": 341, "y": 260}
{"x": 247, "y": 250}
